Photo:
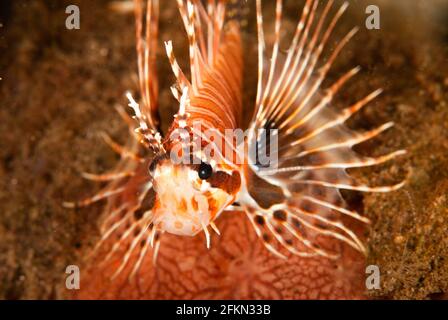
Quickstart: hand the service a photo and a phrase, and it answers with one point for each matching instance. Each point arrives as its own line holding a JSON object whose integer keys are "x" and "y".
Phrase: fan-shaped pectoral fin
{"x": 283, "y": 234}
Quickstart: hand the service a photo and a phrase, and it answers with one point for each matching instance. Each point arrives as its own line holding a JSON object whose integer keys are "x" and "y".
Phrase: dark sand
{"x": 59, "y": 87}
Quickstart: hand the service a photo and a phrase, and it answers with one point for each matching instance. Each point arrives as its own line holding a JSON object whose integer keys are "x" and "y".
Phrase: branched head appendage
{"x": 148, "y": 136}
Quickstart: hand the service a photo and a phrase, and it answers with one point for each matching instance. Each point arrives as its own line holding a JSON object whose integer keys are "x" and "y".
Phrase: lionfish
{"x": 293, "y": 202}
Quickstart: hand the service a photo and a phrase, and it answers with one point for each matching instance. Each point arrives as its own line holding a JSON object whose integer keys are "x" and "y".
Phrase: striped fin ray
{"x": 127, "y": 232}
{"x": 147, "y": 29}
{"x": 307, "y": 219}
{"x": 214, "y": 90}
{"x": 314, "y": 147}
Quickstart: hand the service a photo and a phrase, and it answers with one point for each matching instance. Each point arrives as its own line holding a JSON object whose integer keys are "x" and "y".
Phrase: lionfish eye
{"x": 205, "y": 171}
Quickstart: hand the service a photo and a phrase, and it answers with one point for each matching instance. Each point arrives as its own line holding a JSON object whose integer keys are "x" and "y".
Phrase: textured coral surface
{"x": 237, "y": 267}
{"x": 58, "y": 90}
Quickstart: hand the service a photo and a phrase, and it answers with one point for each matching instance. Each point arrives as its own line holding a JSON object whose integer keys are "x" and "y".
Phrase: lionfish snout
{"x": 186, "y": 203}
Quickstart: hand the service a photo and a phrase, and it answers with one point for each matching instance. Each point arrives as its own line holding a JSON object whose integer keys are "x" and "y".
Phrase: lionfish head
{"x": 189, "y": 197}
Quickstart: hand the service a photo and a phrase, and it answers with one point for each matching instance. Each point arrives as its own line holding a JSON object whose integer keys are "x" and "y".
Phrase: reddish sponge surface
{"x": 237, "y": 266}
